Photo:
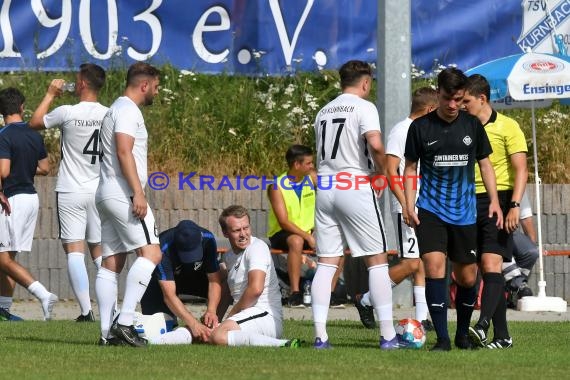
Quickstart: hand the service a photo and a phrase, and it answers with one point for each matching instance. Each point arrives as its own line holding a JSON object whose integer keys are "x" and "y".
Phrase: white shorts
{"x": 259, "y": 321}
{"x": 17, "y": 230}
{"x": 121, "y": 231}
{"x": 407, "y": 240}
{"x": 78, "y": 217}
{"x": 349, "y": 217}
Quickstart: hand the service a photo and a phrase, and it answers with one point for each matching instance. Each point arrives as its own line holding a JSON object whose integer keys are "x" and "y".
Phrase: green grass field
{"x": 68, "y": 350}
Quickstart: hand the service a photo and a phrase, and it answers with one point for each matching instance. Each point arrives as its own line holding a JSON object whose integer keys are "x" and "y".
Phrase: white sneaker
{"x": 48, "y": 304}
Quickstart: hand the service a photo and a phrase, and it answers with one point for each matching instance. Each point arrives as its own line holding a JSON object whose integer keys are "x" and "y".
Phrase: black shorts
{"x": 279, "y": 241}
{"x": 459, "y": 243}
{"x": 489, "y": 238}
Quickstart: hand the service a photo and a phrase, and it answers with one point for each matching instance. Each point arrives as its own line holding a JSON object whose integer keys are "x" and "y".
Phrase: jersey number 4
{"x": 340, "y": 125}
{"x": 92, "y": 147}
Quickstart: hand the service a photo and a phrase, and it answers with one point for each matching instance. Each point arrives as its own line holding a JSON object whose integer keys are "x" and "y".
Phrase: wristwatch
{"x": 515, "y": 204}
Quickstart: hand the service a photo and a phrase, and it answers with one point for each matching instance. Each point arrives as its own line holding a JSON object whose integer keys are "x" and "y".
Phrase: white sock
{"x": 38, "y": 290}
{"x": 247, "y": 338}
{"x": 5, "y": 303}
{"x": 137, "y": 282}
{"x": 365, "y": 300}
{"x": 106, "y": 289}
{"x": 321, "y": 298}
{"x": 79, "y": 280}
{"x": 381, "y": 296}
{"x": 421, "y": 303}
{"x": 179, "y": 336}
{"x": 97, "y": 262}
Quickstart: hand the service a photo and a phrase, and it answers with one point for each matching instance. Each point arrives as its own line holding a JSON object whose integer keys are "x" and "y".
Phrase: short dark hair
{"x": 297, "y": 153}
{"x": 423, "y": 97}
{"x": 93, "y": 74}
{"x": 11, "y": 101}
{"x": 451, "y": 80}
{"x": 141, "y": 69}
{"x": 477, "y": 85}
{"x": 236, "y": 211}
{"x": 352, "y": 71}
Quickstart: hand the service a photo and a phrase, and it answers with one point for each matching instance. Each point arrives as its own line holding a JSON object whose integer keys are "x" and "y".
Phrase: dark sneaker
{"x": 442, "y": 345}
{"x": 293, "y": 343}
{"x": 336, "y": 302}
{"x": 478, "y": 335}
{"x": 320, "y": 345}
{"x": 128, "y": 334}
{"x": 524, "y": 291}
{"x": 89, "y": 317}
{"x": 6, "y": 316}
{"x": 394, "y": 344}
{"x": 463, "y": 342}
{"x": 366, "y": 313}
{"x": 428, "y": 326}
{"x": 498, "y": 344}
{"x": 295, "y": 300}
{"x": 110, "y": 341}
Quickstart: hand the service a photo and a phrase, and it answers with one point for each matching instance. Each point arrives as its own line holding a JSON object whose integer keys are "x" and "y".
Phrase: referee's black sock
{"x": 493, "y": 290}
{"x": 436, "y": 297}
{"x": 501, "y": 329}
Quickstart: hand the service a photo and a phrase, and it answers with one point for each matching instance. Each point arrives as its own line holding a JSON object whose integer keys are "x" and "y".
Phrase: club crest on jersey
{"x": 467, "y": 140}
{"x": 197, "y": 265}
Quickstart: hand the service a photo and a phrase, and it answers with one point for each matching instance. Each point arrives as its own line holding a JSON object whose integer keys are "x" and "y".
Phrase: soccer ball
{"x": 411, "y": 332}
{"x": 148, "y": 326}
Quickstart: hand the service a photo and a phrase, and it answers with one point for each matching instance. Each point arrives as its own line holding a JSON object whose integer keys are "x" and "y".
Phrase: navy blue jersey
{"x": 190, "y": 276}
{"x": 447, "y": 153}
{"x": 24, "y": 147}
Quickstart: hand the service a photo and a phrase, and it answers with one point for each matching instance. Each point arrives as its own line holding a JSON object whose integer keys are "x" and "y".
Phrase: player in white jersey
{"x": 424, "y": 100}
{"x": 256, "y": 318}
{"x": 349, "y": 147}
{"x": 127, "y": 222}
{"x": 78, "y": 174}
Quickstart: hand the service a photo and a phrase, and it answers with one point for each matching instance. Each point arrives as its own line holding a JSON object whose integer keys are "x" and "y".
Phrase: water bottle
{"x": 307, "y": 293}
{"x": 68, "y": 87}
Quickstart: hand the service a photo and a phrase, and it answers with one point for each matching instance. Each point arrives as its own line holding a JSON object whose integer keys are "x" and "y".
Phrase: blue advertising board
{"x": 265, "y": 36}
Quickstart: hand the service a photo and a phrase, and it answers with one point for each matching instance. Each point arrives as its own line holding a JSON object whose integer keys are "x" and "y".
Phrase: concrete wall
{"x": 47, "y": 261}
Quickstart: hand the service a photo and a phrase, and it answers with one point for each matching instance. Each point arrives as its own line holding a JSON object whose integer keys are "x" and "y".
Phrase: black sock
{"x": 436, "y": 298}
{"x": 464, "y": 302}
{"x": 493, "y": 288}
{"x": 501, "y": 330}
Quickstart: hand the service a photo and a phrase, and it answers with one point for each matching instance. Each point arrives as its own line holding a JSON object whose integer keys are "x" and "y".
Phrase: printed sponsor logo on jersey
{"x": 443, "y": 160}
{"x": 467, "y": 140}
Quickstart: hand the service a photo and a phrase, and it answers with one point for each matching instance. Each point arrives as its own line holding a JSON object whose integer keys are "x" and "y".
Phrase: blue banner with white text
{"x": 266, "y": 36}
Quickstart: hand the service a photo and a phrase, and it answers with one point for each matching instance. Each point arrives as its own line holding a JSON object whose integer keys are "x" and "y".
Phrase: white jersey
{"x": 339, "y": 128}
{"x": 255, "y": 257}
{"x": 396, "y": 146}
{"x": 526, "y": 209}
{"x": 123, "y": 117}
{"x": 80, "y": 125}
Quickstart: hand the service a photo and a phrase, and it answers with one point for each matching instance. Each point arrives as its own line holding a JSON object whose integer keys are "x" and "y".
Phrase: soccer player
{"x": 424, "y": 100}
{"x": 189, "y": 265}
{"x": 349, "y": 147}
{"x": 78, "y": 174}
{"x": 292, "y": 214}
{"x": 447, "y": 142}
{"x": 256, "y": 318}
{"x": 22, "y": 155}
{"x": 127, "y": 222}
{"x": 495, "y": 245}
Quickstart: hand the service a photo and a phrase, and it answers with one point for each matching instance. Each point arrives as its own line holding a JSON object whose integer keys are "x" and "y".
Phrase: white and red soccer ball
{"x": 411, "y": 332}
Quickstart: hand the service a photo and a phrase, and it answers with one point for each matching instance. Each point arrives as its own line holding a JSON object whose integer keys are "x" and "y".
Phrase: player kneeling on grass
{"x": 256, "y": 318}
{"x": 190, "y": 266}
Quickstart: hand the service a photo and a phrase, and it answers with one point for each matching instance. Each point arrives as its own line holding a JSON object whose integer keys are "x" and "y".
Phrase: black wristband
{"x": 514, "y": 204}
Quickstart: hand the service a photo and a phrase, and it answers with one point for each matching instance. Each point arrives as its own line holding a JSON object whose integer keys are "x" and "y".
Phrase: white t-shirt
{"x": 526, "y": 209}
{"x": 396, "y": 146}
{"x": 123, "y": 117}
{"x": 255, "y": 257}
{"x": 80, "y": 125}
{"x": 339, "y": 130}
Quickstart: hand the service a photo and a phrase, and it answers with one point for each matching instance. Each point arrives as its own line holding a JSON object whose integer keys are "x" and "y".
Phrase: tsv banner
{"x": 265, "y": 36}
